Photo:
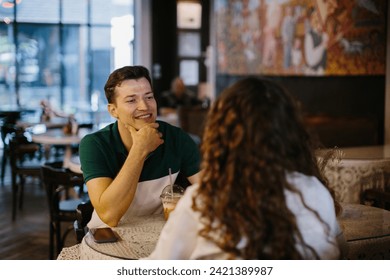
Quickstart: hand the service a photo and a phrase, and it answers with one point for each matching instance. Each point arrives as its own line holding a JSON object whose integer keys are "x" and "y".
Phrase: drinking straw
{"x": 170, "y": 180}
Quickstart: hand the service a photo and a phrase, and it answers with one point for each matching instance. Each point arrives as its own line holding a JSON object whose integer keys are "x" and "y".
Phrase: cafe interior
{"x": 55, "y": 57}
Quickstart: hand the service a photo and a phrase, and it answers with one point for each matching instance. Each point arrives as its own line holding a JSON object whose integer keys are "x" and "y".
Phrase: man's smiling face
{"x": 134, "y": 104}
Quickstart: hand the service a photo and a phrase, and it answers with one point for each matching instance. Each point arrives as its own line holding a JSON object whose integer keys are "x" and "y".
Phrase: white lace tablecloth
{"x": 70, "y": 253}
{"x": 138, "y": 237}
{"x": 366, "y": 231}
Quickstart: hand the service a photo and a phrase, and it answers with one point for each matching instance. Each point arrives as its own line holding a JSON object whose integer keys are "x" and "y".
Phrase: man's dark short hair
{"x": 121, "y": 74}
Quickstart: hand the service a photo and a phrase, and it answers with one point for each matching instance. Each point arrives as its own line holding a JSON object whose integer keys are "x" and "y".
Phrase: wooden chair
{"x": 83, "y": 216}
{"x": 58, "y": 183}
{"x": 192, "y": 119}
{"x": 6, "y": 131}
{"x": 25, "y": 162}
{"x": 376, "y": 191}
{"x": 376, "y": 198}
{"x": 8, "y": 126}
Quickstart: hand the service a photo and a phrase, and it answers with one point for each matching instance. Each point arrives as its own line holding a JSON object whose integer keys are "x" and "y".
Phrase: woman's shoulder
{"x": 310, "y": 187}
{"x": 299, "y": 179}
{"x": 189, "y": 193}
{"x": 191, "y": 190}
{"x": 313, "y": 191}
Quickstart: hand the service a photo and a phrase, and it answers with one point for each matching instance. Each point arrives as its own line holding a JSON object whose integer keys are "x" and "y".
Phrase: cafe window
{"x": 63, "y": 50}
{"x": 38, "y": 11}
{"x": 189, "y": 24}
{"x": 74, "y": 11}
{"x": 189, "y": 44}
{"x": 189, "y": 71}
{"x": 189, "y": 15}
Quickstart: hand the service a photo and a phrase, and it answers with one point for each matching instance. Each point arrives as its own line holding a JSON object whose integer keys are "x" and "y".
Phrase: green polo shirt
{"x": 102, "y": 154}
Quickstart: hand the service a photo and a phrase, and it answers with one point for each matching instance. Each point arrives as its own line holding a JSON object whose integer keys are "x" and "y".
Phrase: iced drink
{"x": 169, "y": 198}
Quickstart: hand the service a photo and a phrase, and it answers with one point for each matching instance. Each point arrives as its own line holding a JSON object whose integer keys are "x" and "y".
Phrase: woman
{"x": 261, "y": 194}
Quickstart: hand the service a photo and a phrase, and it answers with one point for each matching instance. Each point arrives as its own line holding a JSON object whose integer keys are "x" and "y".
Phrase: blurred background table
{"x": 56, "y": 137}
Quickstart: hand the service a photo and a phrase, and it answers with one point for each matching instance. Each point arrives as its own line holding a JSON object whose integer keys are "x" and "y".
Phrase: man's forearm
{"x": 120, "y": 193}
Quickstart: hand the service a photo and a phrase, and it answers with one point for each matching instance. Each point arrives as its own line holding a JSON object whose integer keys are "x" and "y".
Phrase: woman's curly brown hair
{"x": 253, "y": 136}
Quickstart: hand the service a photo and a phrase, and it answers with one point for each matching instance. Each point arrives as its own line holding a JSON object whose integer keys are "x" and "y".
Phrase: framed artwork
{"x": 301, "y": 37}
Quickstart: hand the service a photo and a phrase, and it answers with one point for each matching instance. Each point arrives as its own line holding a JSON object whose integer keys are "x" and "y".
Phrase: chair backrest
{"x": 57, "y": 181}
{"x": 6, "y": 130}
{"x": 192, "y": 119}
{"x": 84, "y": 214}
{"x": 376, "y": 198}
{"x": 21, "y": 150}
{"x": 375, "y": 190}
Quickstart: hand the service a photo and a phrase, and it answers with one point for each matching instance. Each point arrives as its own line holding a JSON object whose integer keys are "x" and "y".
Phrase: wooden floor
{"x": 28, "y": 237}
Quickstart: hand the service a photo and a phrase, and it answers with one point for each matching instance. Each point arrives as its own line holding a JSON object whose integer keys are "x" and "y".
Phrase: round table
{"x": 56, "y": 136}
{"x": 356, "y": 169}
{"x": 56, "y": 123}
{"x": 138, "y": 237}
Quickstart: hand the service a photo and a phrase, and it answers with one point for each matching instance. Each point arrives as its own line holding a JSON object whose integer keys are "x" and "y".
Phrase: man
{"x": 126, "y": 164}
{"x": 177, "y": 96}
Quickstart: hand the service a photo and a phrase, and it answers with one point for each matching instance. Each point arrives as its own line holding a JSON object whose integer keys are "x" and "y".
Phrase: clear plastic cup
{"x": 170, "y": 195}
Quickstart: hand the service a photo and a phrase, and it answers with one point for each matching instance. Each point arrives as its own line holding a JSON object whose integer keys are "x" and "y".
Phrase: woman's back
{"x": 180, "y": 240}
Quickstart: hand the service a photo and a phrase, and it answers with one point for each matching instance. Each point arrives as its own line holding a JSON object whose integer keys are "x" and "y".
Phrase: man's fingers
{"x": 154, "y": 125}
{"x": 131, "y": 129}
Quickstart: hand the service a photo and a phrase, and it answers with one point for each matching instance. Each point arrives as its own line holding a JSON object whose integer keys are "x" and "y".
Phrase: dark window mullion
{"x": 17, "y": 67}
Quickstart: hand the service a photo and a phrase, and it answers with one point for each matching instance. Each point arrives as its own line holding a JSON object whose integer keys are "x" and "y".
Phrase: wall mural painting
{"x": 301, "y": 37}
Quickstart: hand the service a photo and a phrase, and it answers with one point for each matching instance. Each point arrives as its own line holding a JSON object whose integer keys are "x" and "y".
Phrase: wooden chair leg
{"x": 58, "y": 238}
{"x": 3, "y": 165}
{"x": 14, "y": 196}
{"x": 61, "y": 238}
{"x": 21, "y": 192}
{"x": 51, "y": 242}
